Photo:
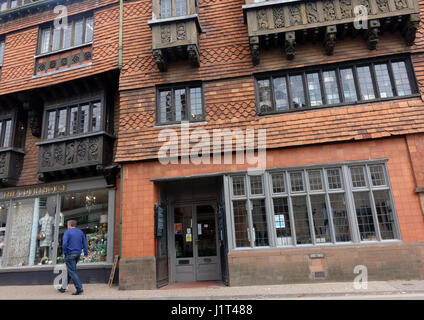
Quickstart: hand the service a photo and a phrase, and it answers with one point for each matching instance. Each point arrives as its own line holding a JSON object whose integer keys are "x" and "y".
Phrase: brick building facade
{"x": 340, "y": 182}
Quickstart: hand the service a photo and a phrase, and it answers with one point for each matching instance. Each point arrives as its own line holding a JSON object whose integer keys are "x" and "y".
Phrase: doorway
{"x": 194, "y": 243}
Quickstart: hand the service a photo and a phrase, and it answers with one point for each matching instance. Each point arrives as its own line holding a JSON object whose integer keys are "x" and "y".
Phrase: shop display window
{"x": 90, "y": 210}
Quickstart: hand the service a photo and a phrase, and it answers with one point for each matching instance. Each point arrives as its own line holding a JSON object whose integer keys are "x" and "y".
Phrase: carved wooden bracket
{"x": 35, "y": 117}
{"x": 193, "y": 55}
{"x": 290, "y": 45}
{"x": 311, "y": 21}
{"x": 330, "y": 39}
{"x": 160, "y": 58}
{"x": 372, "y": 34}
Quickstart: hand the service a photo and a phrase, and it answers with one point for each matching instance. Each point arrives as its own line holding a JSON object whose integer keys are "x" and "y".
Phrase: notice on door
{"x": 188, "y": 237}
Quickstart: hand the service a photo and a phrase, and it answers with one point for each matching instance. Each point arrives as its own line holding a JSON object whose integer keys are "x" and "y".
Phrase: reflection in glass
{"x": 383, "y": 80}
{"x": 206, "y": 231}
{"x": 298, "y": 93}
{"x": 241, "y": 224}
{"x": 386, "y": 220}
{"x": 331, "y": 88}
{"x": 61, "y": 126}
{"x": 282, "y": 222}
{"x": 314, "y": 88}
{"x": 348, "y": 84}
{"x": 32, "y": 232}
{"x": 259, "y": 222}
{"x": 365, "y": 83}
{"x": 340, "y": 219}
{"x": 320, "y": 215}
{"x": 364, "y": 216}
{"x": 281, "y": 98}
{"x": 265, "y": 104}
{"x": 183, "y": 232}
{"x": 90, "y": 210}
{"x": 4, "y": 211}
{"x": 301, "y": 220}
{"x": 401, "y": 78}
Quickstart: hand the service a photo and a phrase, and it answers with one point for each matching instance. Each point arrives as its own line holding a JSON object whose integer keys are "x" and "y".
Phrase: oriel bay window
{"x": 347, "y": 203}
{"x": 178, "y": 104}
{"x": 172, "y": 8}
{"x": 338, "y": 84}
{"x": 76, "y": 119}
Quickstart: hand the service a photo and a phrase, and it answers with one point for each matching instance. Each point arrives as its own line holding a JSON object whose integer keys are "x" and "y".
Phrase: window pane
{"x": 1, "y": 128}
{"x": 238, "y": 186}
{"x": 96, "y": 117}
{"x": 13, "y": 3}
{"x": 340, "y": 218}
{"x": 45, "y": 40}
{"x": 281, "y": 98}
{"x": 383, "y": 80}
{"x": 180, "y": 7}
{"x": 85, "y": 116}
{"x": 259, "y": 222}
{"x": 74, "y": 121}
{"x": 331, "y": 88}
{"x": 89, "y": 29}
{"x": 165, "y": 8}
{"x": 384, "y": 214}
{"x": 3, "y": 5}
{"x": 2, "y": 45}
{"x": 256, "y": 185}
{"x": 282, "y": 222}
{"x": 56, "y": 38}
{"x": 265, "y": 104}
{"x": 196, "y": 105}
{"x": 183, "y": 224}
{"x": 358, "y": 177}
{"x": 320, "y": 215}
{"x": 364, "y": 216}
{"x": 7, "y": 133}
{"x": 401, "y": 78}
{"x": 67, "y": 34}
{"x": 296, "y": 181}
{"x": 78, "y": 32}
{"x": 51, "y": 123}
{"x": 180, "y": 105}
{"x": 315, "y": 181}
{"x": 314, "y": 88}
{"x": 298, "y": 93}
{"x": 166, "y": 106}
{"x": 278, "y": 184}
{"x": 365, "y": 83}
{"x": 61, "y": 127}
{"x": 32, "y": 232}
{"x": 241, "y": 224}
{"x": 4, "y": 211}
{"x": 301, "y": 220}
{"x": 90, "y": 210}
{"x": 378, "y": 177}
{"x": 334, "y": 178}
{"x": 348, "y": 84}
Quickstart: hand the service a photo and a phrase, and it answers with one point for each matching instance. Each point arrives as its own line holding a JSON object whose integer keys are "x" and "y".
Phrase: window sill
{"x": 42, "y": 55}
{"x": 81, "y": 266}
{"x": 317, "y": 246}
{"x": 75, "y": 137}
{"x": 349, "y": 104}
{"x": 159, "y": 21}
{"x": 61, "y": 71}
{"x": 180, "y": 124}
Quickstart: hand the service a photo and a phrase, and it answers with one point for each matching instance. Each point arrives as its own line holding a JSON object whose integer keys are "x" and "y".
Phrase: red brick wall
{"x": 139, "y": 193}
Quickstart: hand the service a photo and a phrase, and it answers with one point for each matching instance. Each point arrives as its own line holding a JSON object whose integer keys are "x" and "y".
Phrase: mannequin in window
{"x": 46, "y": 231}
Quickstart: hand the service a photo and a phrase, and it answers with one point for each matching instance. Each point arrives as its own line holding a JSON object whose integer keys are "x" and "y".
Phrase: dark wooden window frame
{"x": 173, "y": 88}
{"x": 2, "y": 43}
{"x": 3, "y": 120}
{"x": 174, "y": 8}
{"x": 19, "y": 3}
{"x": 71, "y": 20}
{"x": 68, "y": 106}
{"x": 336, "y": 67}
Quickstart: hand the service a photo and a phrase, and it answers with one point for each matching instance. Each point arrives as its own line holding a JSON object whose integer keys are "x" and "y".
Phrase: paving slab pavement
{"x": 214, "y": 291}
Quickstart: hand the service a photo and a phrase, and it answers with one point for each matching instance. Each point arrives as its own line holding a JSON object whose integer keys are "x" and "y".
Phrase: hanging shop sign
{"x": 32, "y": 191}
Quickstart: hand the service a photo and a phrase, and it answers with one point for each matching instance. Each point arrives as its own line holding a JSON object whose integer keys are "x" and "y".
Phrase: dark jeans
{"x": 71, "y": 266}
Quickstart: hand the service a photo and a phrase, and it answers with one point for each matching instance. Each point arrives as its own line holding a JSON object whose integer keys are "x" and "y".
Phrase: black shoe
{"x": 78, "y": 292}
{"x": 61, "y": 290}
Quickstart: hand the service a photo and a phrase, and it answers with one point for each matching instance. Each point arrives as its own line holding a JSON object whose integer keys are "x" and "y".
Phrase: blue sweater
{"x": 74, "y": 241}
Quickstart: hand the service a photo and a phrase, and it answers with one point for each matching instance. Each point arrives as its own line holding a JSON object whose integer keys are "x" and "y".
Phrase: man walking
{"x": 73, "y": 242}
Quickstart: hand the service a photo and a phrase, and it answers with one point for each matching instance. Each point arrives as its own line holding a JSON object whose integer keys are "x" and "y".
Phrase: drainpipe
{"x": 121, "y": 23}
{"x": 120, "y": 48}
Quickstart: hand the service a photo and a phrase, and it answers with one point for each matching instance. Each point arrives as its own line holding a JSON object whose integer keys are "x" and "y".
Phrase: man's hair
{"x": 72, "y": 223}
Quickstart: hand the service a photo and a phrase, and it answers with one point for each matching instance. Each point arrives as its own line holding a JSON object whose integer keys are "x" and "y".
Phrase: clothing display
{"x": 46, "y": 224}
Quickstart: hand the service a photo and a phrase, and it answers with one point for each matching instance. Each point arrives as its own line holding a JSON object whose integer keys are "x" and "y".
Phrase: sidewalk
{"x": 215, "y": 291}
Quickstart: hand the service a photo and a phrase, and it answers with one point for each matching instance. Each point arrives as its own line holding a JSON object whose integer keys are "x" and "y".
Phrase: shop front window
{"x": 4, "y": 211}
{"x": 90, "y": 210}
{"x": 31, "y": 232}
